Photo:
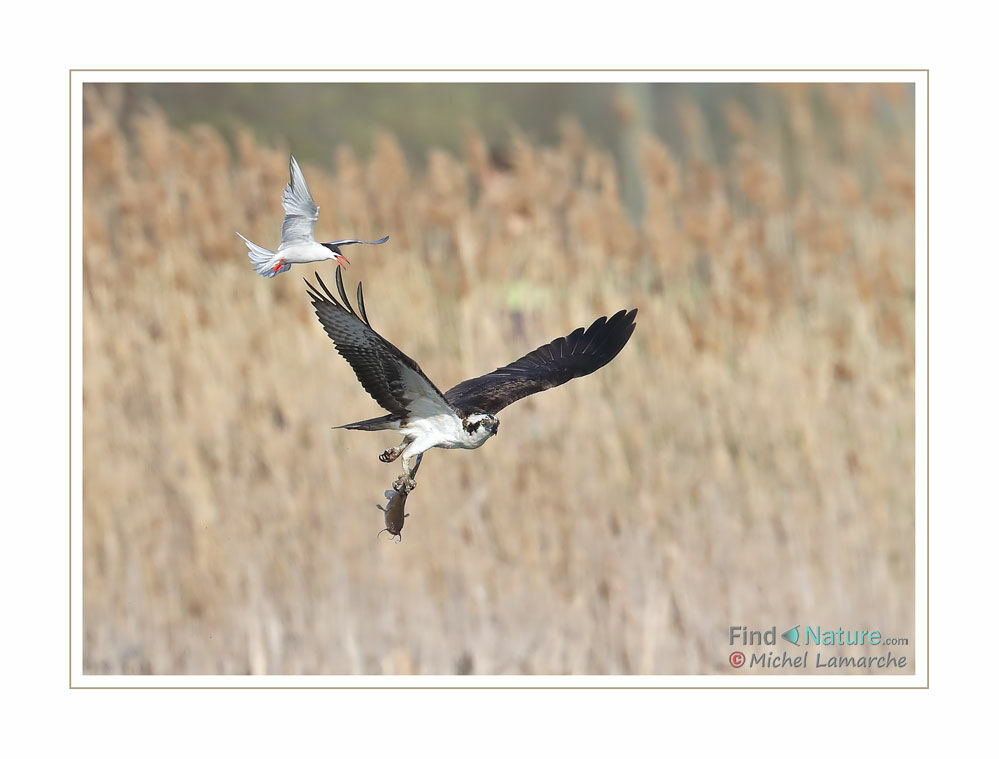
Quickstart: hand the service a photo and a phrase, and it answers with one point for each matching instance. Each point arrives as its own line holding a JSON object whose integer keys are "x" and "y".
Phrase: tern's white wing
{"x": 300, "y": 212}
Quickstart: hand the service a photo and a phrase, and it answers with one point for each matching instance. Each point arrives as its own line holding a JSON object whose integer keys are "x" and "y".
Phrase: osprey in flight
{"x": 298, "y": 246}
{"x": 464, "y": 416}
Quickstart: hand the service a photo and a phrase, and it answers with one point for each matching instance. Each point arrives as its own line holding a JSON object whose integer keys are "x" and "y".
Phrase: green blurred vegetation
{"x": 697, "y": 121}
{"x": 312, "y": 119}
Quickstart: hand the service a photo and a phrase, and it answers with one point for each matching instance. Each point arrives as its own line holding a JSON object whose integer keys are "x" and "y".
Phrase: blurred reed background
{"x": 747, "y": 459}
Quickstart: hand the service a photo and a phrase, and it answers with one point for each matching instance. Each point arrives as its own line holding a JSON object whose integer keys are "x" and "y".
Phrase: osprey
{"x": 298, "y": 246}
{"x": 464, "y": 416}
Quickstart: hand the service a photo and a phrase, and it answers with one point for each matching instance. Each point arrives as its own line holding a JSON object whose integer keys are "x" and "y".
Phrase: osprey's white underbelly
{"x": 440, "y": 431}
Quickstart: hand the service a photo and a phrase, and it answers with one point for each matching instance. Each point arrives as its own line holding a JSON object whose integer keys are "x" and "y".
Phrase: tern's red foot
{"x": 278, "y": 266}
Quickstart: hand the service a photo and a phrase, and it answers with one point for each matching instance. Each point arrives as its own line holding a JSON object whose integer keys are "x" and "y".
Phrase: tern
{"x": 298, "y": 245}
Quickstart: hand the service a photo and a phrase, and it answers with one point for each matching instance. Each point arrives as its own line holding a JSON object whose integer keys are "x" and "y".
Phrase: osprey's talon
{"x": 404, "y": 485}
{"x": 390, "y": 454}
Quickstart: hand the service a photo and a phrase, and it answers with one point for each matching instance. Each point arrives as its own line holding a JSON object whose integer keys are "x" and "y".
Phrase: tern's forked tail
{"x": 265, "y": 262}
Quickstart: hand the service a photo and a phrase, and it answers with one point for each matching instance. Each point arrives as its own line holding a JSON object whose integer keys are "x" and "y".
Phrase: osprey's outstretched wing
{"x": 551, "y": 365}
{"x": 390, "y": 376}
{"x": 300, "y": 211}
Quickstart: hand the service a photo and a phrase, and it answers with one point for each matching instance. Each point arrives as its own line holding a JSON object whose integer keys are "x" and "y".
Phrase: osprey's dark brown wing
{"x": 390, "y": 376}
{"x": 551, "y": 365}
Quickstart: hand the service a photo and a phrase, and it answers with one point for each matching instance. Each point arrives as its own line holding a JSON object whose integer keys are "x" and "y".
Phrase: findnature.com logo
{"x": 743, "y": 637}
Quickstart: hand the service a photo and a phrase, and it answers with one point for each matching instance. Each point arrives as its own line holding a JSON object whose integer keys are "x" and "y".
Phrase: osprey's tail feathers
{"x": 387, "y": 422}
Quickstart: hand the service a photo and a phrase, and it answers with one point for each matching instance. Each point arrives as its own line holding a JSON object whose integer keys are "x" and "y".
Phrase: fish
{"x": 395, "y": 509}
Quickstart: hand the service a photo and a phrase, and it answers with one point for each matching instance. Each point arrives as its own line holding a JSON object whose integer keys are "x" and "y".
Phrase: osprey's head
{"x": 480, "y": 427}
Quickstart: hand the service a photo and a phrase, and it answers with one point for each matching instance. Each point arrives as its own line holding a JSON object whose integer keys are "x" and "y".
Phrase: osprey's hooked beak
{"x": 339, "y": 257}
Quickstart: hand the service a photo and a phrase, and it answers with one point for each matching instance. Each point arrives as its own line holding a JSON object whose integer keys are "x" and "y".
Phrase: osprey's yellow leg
{"x": 407, "y": 482}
